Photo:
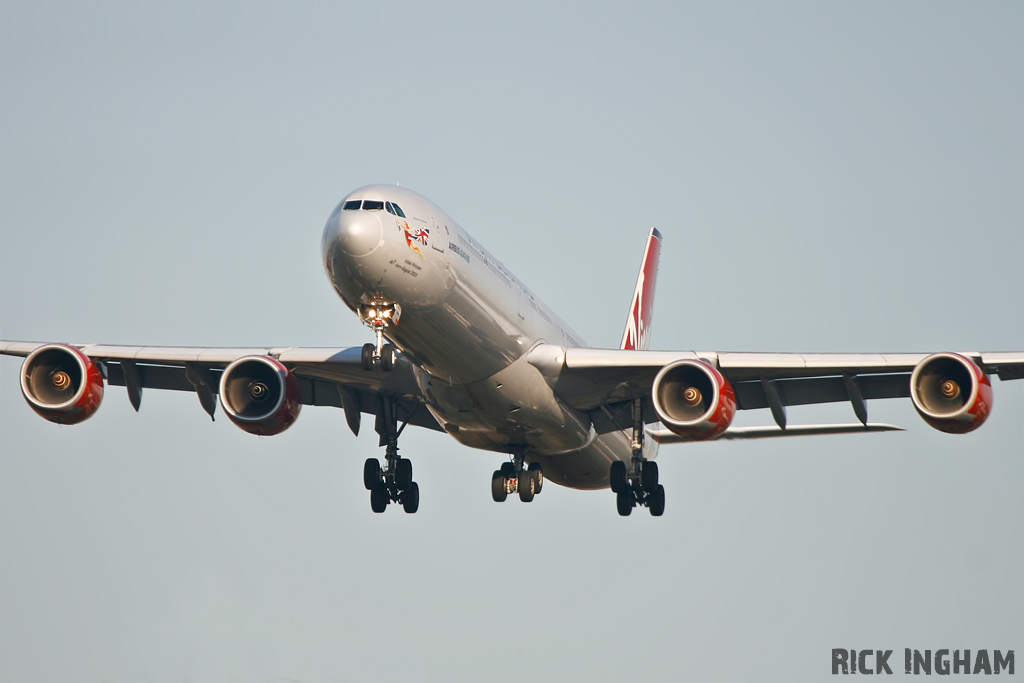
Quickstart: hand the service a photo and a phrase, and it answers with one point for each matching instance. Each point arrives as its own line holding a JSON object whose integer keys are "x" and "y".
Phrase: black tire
{"x": 403, "y": 473}
{"x": 499, "y": 492}
{"x": 411, "y": 498}
{"x": 656, "y": 502}
{"x": 538, "y": 475}
{"x": 508, "y": 470}
{"x": 649, "y": 476}
{"x": 367, "y": 357}
{"x": 387, "y": 357}
{"x": 617, "y": 476}
{"x": 624, "y": 503}
{"x": 527, "y": 486}
{"x": 371, "y": 473}
{"x": 379, "y": 499}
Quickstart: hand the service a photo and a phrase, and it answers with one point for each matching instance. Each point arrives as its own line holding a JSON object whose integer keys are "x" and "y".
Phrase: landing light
{"x": 371, "y": 313}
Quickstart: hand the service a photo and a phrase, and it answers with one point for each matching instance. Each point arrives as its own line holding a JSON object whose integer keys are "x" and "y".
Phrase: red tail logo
{"x": 637, "y": 334}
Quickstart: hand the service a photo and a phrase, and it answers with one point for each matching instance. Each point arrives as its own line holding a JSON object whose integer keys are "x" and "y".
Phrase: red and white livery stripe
{"x": 638, "y": 326}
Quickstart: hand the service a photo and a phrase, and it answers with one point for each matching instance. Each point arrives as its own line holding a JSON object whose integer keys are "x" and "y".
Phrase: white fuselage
{"x": 466, "y": 324}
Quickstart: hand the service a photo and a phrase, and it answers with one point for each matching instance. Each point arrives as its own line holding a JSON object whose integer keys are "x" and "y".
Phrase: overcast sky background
{"x": 837, "y": 177}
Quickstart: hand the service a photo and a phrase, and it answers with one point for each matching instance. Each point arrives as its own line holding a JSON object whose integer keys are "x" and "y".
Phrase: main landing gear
{"x": 517, "y": 477}
{"x": 378, "y": 316}
{"x": 637, "y": 484}
{"x": 393, "y": 483}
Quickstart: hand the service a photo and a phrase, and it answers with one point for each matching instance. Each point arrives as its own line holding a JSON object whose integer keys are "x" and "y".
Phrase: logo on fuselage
{"x": 414, "y": 236}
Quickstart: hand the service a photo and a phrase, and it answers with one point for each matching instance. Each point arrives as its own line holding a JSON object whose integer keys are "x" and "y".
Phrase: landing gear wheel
{"x": 499, "y": 492}
{"x": 371, "y": 473}
{"x": 624, "y": 503}
{"x": 379, "y": 498}
{"x": 656, "y": 501}
{"x": 649, "y": 476}
{"x": 411, "y": 498}
{"x": 403, "y": 473}
{"x": 387, "y": 357}
{"x": 508, "y": 470}
{"x": 367, "y": 357}
{"x": 617, "y": 475}
{"x": 538, "y": 475}
{"x": 527, "y": 486}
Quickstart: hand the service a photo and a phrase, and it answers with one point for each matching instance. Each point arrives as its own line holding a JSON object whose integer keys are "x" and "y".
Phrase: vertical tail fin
{"x": 637, "y": 334}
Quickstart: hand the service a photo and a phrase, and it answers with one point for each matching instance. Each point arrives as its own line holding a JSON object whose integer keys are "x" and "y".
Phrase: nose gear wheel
{"x": 379, "y": 315}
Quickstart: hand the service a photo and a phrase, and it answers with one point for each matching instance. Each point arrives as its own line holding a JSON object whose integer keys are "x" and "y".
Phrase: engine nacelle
{"x": 62, "y": 384}
{"x": 951, "y": 393}
{"x": 260, "y": 395}
{"x": 693, "y": 399}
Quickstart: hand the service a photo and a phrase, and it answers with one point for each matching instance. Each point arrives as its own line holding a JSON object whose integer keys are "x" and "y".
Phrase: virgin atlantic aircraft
{"x": 462, "y": 346}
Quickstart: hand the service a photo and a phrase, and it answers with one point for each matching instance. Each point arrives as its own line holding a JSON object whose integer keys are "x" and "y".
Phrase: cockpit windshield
{"x": 373, "y": 205}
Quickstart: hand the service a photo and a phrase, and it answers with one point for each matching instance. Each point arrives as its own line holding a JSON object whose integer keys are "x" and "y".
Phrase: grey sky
{"x": 826, "y": 177}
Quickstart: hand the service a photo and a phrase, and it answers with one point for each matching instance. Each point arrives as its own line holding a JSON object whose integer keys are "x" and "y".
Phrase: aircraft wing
{"x": 326, "y": 376}
{"x": 604, "y": 381}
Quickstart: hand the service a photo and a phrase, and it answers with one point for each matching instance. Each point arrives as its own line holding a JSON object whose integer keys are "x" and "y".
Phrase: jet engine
{"x": 951, "y": 393}
{"x": 260, "y": 395}
{"x": 693, "y": 400}
{"x": 62, "y": 384}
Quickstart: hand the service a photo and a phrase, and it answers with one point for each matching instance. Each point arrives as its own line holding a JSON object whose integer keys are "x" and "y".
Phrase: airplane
{"x": 462, "y": 346}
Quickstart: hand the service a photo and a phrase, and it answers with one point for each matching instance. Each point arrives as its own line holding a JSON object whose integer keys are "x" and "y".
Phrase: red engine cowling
{"x": 260, "y": 395}
{"x": 62, "y": 384}
{"x": 951, "y": 393}
{"x": 693, "y": 400}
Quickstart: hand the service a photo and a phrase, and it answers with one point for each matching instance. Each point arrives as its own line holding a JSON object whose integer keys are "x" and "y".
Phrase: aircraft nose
{"x": 358, "y": 232}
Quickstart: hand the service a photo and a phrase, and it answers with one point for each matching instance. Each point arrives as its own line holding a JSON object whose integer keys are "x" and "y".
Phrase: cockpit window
{"x": 387, "y": 205}
{"x": 372, "y": 205}
{"x": 398, "y": 210}
{"x": 352, "y": 205}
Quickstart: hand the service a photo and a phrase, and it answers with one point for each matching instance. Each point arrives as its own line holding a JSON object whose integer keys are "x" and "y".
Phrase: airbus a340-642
{"x": 462, "y": 346}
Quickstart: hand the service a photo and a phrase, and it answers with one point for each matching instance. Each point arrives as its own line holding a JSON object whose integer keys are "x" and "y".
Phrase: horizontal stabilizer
{"x": 665, "y": 436}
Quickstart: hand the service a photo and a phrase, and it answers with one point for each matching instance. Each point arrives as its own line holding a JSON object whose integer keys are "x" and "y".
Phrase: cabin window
{"x": 372, "y": 205}
{"x": 398, "y": 209}
{"x": 352, "y": 205}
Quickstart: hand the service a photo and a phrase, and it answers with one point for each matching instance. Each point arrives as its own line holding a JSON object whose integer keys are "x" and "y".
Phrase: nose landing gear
{"x": 637, "y": 484}
{"x": 517, "y": 477}
{"x": 393, "y": 483}
{"x": 378, "y": 316}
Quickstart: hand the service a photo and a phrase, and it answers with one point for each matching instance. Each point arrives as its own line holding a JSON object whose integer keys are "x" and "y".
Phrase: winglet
{"x": 638, "y": 325}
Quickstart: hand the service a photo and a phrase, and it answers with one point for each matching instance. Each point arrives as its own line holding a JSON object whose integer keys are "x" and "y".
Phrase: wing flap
{"x": 810, "y": 390}
{"x": 153, "y": 377}
{"x": 663, "y": 436}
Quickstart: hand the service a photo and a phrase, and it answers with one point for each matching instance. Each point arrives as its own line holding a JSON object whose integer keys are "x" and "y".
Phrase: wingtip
{"x": 882, "y": 427}
{"x": 656, "y": 233}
